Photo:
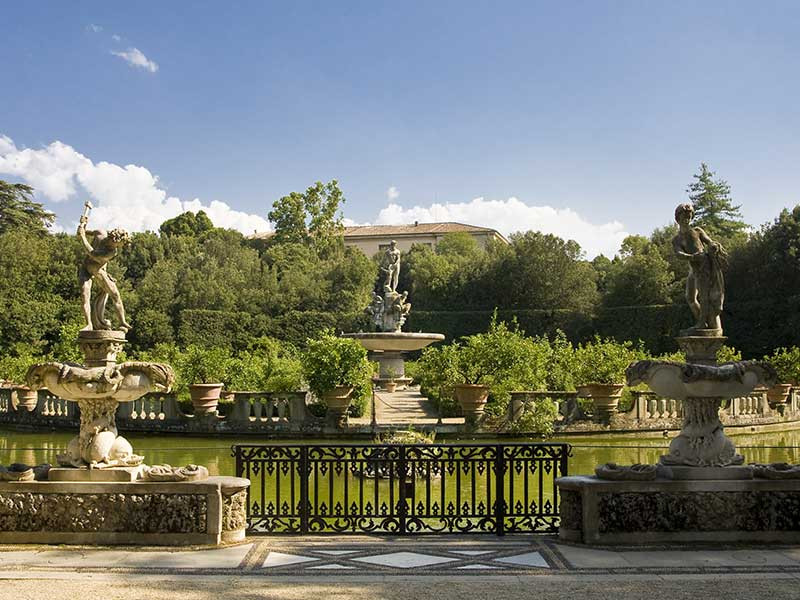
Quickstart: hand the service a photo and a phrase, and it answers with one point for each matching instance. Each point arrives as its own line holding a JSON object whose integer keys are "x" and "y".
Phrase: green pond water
{"x": 215, "y": 452}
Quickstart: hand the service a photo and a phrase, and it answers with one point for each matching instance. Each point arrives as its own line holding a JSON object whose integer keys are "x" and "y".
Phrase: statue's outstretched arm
{"x": 82, "y": 235}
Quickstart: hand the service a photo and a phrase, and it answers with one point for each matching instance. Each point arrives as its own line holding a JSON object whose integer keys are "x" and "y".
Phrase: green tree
{"x": 187, "y": 223}
{"x": 713, "y": 206}
{"x": 19, "y": 211}
{"x": 638, "y": 275}
{"x": 543, "y": 271}
{"x": 310, "y": 218}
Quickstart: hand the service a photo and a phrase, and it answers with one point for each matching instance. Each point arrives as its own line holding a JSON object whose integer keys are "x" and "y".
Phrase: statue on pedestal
{"x": 100, "y": 251}
{"x": 705, "y": 286}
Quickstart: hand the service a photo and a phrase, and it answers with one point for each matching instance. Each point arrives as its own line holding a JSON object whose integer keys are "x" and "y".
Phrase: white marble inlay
{"x": 472, "y": 552}
{"x": 279, "y": 559}
{"x": 331, "y": 566}
{"x": 530, "y": 559}
{"x": 336, "y": 552}
{"x": 404, "y": 560}
{"x": 478, "y": 567}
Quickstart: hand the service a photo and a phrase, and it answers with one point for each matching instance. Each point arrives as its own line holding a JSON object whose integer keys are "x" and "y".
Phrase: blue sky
{"x": 592, "y": 115}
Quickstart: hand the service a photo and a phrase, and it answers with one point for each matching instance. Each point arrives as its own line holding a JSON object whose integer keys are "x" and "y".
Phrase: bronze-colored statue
{"x": 705, "y": 286}
{"x": 100, "y": 251}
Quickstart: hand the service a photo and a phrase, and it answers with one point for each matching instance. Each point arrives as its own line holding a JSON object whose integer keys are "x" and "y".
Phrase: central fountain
{"x": 701, "y": 490}
{"x": 102, "y": 492}
{"x": 388, "y": 313}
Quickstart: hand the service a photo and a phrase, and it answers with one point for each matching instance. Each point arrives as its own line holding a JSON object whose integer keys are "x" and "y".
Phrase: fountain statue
{"x": 701, "y": 490}
{"x": 700, "y": 383}
{"x": 100, "y": 385}
{"x": 102, "y": 492}
{"x": 388, "y": 313}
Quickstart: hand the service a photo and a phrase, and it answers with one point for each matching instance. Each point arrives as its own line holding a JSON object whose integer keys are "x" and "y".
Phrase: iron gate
{"x": 402, "y": 489}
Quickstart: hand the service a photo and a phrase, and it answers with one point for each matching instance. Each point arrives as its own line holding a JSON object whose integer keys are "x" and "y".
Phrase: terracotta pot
{"x": 605, "y": 398}
{"x": 26, "y": 398}
{"x": 472, "y": 398}
{"x": 390, "y": 386}
{"x": 779, "y": 393}
{"x": 205, "y": 397}
{"x": 337, "y": 400}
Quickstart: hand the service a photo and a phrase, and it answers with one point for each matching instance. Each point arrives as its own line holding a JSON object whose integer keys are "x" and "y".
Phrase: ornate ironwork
{"x": 402, "y": 489}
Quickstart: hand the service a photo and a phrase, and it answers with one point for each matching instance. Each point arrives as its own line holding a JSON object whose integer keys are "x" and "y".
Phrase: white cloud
{"x": 136, "y": 58}
{"x": 508, "y": 216}
{"x": 116, "y": 38}
{"x": 392, "y": 193}
{"x": 94, "y": 28}
{"x": 129, "y": 197}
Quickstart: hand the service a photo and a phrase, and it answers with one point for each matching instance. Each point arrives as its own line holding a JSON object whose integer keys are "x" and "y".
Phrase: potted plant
{"x": 391, "y": 384}
{"x": 206, "y": 369}
{"x": 786, "y": 362}
{"x": 334, "y": 367}
{"x": 600, "y": 372}
{"x": 14, "y": 369}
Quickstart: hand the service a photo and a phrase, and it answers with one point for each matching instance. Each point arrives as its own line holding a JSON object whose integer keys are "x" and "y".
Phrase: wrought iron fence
{"x": 402, "y": 489}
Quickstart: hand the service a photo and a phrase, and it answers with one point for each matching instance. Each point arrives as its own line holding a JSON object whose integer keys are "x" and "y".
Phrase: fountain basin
{"x": 681, "y": 380}
{"x": 395, "y": 341}
{"x": 387, "y": 348}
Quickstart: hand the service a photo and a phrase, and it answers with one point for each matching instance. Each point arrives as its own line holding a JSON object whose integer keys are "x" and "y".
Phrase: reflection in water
{"x": 215, "y": 453}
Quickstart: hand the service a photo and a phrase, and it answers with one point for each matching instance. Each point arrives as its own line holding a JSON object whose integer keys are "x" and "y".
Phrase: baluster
{"x": 258, "y": 407}
{"x": 270, "y": 409}
{"x": 170, "y": 408}
{"x": 283, "y": 409}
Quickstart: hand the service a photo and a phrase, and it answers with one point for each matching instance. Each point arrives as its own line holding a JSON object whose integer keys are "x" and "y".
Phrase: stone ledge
{"x": 211, "y": 511}
{"x": 595, "y": 511}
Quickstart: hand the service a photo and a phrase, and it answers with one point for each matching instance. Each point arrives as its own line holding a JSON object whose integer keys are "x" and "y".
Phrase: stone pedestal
{"x": 391, "y": 367}
{"x": 211, "y": 511}
{"x": 595, "y": 511}
{"x": 100, "y": 347}
{"x": 701, "y": 345}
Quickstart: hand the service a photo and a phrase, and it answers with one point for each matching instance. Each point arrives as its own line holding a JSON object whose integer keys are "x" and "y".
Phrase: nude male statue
{"x": 100, "y": 251}
{"x": 391, "y": 266}
{"x": 705, "y": 286}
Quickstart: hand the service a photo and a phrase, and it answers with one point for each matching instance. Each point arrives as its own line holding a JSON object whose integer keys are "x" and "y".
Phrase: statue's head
{"x": 119, "y": 237}
{"x": 393, "y": 244}
{"x": 684, "y": 212}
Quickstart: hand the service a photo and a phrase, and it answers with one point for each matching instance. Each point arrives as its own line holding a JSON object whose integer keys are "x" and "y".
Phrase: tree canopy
{"x": 714, "y": 210}
{"x": 19, "y": 211}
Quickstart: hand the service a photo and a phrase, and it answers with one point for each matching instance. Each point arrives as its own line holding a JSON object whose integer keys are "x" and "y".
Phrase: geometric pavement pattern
{"x": 462, "y": 555}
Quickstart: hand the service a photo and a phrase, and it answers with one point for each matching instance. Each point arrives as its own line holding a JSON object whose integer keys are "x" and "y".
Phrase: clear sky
{"x": 586, "y": 119}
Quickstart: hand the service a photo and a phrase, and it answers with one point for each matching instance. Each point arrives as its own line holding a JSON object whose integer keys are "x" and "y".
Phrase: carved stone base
{"x": 100, "y": 347}
{"x": 701, "y": 345}
{"x": 595, "y": 511}
{"x": 119, "y": 474}
{"x": 702, "y": 441}
{"x": 162, "y": 514}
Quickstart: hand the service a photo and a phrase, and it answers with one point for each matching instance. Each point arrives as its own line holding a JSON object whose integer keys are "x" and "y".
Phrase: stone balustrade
{"x": 250, "y": 412}
{"x": 655, "y": 413}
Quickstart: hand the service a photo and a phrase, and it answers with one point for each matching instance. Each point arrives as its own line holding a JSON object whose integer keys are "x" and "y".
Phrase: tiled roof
{"x": 417, "y": 228}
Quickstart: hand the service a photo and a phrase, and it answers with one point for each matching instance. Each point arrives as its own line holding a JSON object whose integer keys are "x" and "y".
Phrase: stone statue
{"x": 100, "y": 251}
{"x": 705, "y": 286}
{"x": 375, "y": 310}
{"x": 391, "y": 266}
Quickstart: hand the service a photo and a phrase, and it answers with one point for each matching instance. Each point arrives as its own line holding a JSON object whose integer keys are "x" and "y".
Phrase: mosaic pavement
{"x": 364, "y": 556}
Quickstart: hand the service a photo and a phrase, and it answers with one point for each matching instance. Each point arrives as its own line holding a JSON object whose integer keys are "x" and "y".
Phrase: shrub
{"x": 330, "y": 361}
{"x": 204, "y": 365}
{"x": 787, "y": 363}
{"x": 561, "y": 364}
{"x": 14, "y": 366}
{"x": 267, "y": 365}
{"x": 503, "y": 358}
{"x": 727, "y": 354}
{"x": 538, "y": 417}
{"x": 604, "y": 361}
